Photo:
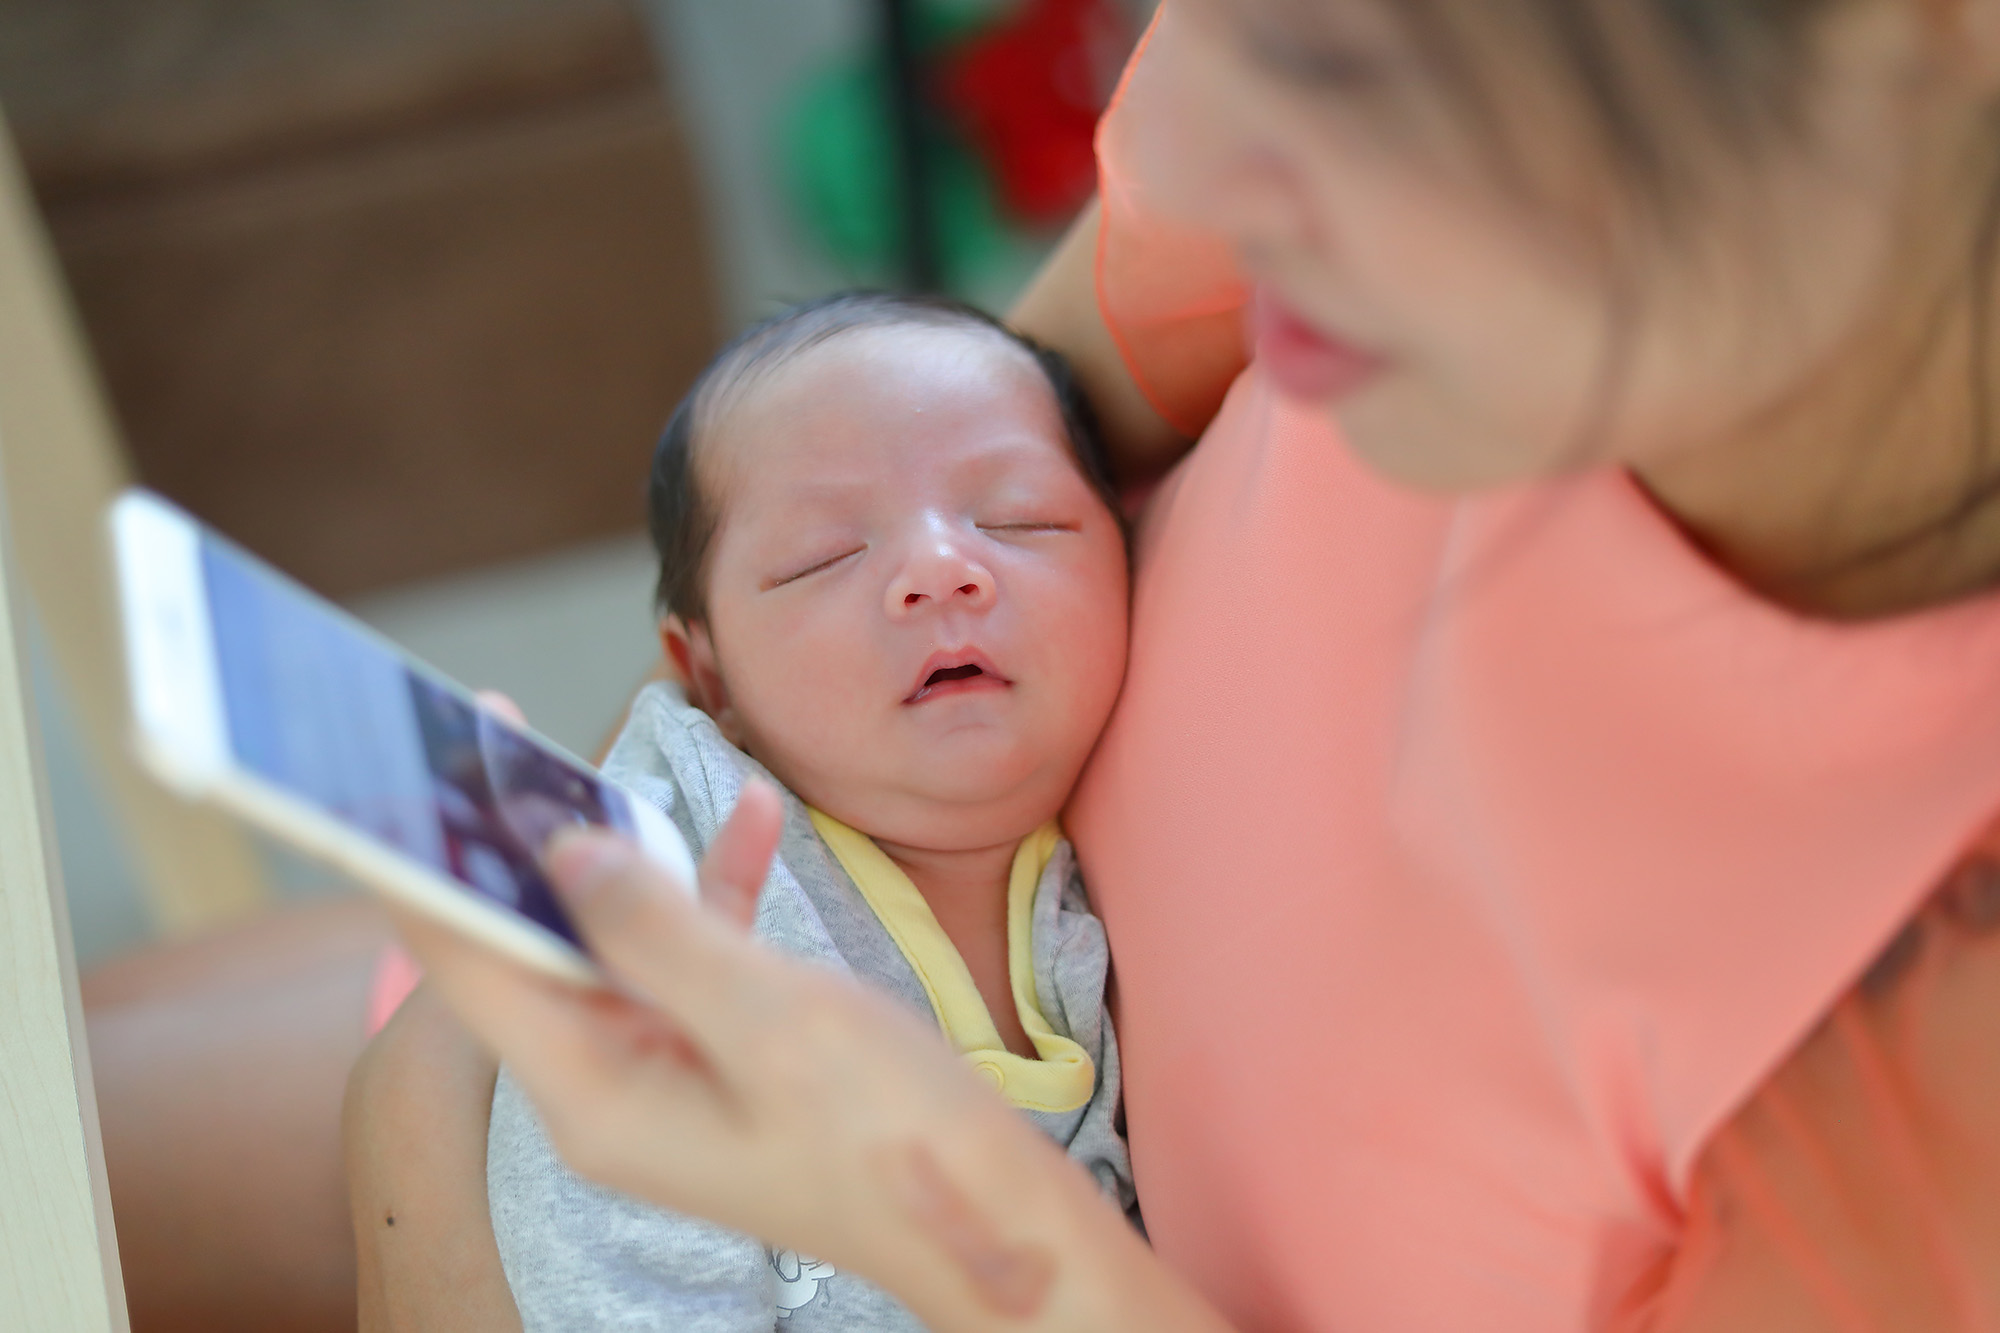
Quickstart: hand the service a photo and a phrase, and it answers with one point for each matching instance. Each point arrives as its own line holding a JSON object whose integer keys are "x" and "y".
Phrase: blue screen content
{"x": 337, "y": 720}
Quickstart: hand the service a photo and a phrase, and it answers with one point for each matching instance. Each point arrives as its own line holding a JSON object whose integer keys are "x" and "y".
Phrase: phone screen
{"x": 338, "y": 720}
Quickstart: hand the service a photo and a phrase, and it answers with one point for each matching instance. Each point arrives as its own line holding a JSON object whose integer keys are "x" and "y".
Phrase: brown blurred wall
{"x": 383, "y": 288}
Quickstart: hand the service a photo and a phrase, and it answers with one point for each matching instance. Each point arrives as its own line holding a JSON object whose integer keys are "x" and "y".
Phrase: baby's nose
{"x": 942, "y": 575}
{"x": 963, "y": 590}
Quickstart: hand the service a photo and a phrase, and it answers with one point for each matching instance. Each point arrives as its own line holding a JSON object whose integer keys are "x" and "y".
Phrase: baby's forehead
{"x": 877, "y": 355}
{"x": 890, "y": 377}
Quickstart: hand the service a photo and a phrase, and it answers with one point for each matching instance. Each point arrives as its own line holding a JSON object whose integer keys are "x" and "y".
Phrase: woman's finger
{"x": 500, "y": 705}
{"x": 568, "y": 1045}
{"x": 739, "y": 857}
{"x": 641, "y": 927}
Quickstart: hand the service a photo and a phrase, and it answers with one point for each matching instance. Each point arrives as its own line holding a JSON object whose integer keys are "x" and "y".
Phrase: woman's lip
{"x": 1303, "y": 361}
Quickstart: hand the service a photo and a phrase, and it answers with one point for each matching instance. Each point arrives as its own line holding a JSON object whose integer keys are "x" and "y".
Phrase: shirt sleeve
{"x": 1171, "y": 296}
{"x": 1858, "y": 1191}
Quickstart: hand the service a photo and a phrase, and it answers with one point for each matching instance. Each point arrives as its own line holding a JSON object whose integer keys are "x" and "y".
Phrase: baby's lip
{"x": 952, "y": 666}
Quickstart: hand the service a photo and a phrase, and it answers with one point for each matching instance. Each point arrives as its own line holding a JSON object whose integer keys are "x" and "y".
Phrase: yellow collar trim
{"x": 1063, "y": 1078}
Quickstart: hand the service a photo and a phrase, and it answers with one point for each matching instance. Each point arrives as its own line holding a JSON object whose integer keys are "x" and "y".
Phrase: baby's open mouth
{"x": 954, "y": 677}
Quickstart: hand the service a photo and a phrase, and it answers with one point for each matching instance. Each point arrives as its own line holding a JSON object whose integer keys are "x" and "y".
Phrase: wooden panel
{"x": 58, "y": 1251}
{"x": 382, "y": 289}
{"x": 60, "y": 461}
{"x": 442, "y": 352}
{"x": 118, "y": 96}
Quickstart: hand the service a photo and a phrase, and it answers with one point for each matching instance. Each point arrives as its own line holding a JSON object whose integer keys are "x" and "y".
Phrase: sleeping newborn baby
{"x": 892, "y": 574}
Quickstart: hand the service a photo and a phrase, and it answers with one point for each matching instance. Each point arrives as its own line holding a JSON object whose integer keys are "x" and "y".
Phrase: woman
{"x": 1544, "y": 856}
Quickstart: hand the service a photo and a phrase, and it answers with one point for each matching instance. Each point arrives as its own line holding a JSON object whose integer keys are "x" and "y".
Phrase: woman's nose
{"x": 939, "y": 574}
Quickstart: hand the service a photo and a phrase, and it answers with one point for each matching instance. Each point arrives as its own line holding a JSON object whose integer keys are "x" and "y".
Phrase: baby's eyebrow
{"x": 826, "y": 489}
{"x": 1011, "y": 449}
{"x": 813, "y": 498}
{"x": 1009, "y": 457}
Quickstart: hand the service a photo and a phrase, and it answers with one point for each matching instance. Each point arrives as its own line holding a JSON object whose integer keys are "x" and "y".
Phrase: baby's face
{"x": 916, "y": 602}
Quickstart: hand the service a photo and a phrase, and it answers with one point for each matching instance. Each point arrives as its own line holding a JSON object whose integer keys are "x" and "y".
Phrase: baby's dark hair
{"x": 681, "y": 522}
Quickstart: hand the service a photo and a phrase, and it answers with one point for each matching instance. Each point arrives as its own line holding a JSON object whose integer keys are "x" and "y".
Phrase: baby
{"x": 893, "y": 576}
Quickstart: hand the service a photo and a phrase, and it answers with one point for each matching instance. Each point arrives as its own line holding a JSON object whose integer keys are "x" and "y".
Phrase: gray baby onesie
{"x": 579, "y": 1257}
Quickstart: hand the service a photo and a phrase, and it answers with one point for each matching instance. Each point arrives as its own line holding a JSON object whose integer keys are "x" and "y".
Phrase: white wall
{"x": 732, "y": 65}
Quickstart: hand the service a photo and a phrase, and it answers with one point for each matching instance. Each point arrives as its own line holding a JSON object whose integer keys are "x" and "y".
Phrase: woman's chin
{"x": 1416, "y": 450}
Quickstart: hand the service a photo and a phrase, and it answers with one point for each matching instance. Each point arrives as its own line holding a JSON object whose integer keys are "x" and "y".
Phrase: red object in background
{"x": 1028, "y": 94}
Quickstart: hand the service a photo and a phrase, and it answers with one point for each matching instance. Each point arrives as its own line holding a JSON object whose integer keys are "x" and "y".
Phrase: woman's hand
{"x": 719, "y": 1078}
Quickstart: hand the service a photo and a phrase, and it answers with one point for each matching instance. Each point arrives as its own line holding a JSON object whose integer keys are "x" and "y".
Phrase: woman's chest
{"x": 1464, "y": 864}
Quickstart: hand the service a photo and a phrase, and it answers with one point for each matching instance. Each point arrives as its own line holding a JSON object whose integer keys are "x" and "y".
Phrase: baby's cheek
{"x": 798, "y": 727}
{"x": 810, "y": 695}
{"x": 1087, "y": 653}
{"x": 778, "y": 694}
{"x": 852, "y": 690}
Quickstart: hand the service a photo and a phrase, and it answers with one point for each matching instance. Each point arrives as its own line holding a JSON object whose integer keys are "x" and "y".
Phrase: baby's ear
{"x": 674, "y": 648}
{"x": 691, "y": 655}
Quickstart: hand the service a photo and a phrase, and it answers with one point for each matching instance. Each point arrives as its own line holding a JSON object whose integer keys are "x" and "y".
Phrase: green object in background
{"x": 838, "y": 163}
{"x": 942, "y": 22}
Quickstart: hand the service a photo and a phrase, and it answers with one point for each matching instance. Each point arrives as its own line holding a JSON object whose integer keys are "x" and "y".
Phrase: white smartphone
{"x": 253, "y": 693}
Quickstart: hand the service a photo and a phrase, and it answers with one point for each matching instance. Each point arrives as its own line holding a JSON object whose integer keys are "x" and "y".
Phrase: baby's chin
{"x": 975, "y": 766}
{"x": 936, "y": 824}
{"x": 962, "y": 790}
{"x": 948, "y": 807}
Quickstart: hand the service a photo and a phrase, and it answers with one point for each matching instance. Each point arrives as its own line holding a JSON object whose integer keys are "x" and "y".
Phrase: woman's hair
{"x": 1660, "y": 100}
{"x": 679, "y": 516}
{"x": 1645, "y": 92}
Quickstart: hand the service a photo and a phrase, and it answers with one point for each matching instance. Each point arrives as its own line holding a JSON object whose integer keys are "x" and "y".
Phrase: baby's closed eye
{"x": 1031, "y": 525}
{"x": 814, "y": 567}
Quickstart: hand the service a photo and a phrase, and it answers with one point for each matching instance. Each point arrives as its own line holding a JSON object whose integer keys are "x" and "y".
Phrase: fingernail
{"x": 580, "y": 860}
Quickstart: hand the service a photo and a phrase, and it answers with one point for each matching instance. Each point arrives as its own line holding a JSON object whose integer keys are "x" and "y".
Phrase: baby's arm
{"x": 415, "y": 1137}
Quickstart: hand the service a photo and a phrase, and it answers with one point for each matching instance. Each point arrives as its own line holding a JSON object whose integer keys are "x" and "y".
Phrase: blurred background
{"x": 398, "y": 292}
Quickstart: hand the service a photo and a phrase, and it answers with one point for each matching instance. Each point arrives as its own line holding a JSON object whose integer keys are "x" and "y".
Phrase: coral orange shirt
{"x": 1469, "y": 863}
